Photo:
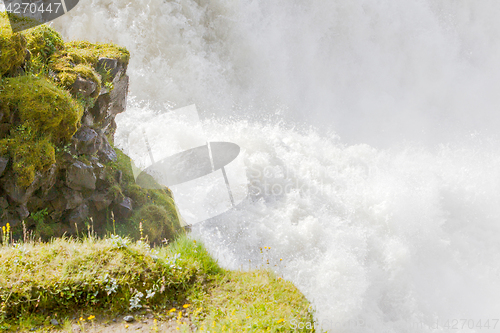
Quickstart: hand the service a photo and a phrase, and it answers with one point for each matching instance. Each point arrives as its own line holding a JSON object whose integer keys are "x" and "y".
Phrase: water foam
{"x": 396, "y": 239}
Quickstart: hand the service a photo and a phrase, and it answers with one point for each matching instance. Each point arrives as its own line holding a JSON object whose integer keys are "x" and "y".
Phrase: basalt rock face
{"x": 73, "y": 189}
{"x": 59, "y": 171}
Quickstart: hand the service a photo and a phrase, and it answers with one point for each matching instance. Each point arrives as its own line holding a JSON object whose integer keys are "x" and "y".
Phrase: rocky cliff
{"x": 59, "y": 171}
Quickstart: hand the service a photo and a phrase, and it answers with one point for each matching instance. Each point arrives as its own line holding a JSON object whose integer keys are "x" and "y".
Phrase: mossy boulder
{"x": 13, "y": 47}
{"x": 80, "y": 60}
{"x": 154, "y": 208}
{"x": 38, "y": 102}
{"x": 43, "y": 42}
{"x": 46, "y": 117}
{"x": 156, "y": 223}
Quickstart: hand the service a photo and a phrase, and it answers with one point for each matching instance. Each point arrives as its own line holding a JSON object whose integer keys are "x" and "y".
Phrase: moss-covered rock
{"x": 43, "y": 42}
{"x": 41, "y": 104}
{"x": 86, "y": 52}
{"x": 47, "y": 95}
{"x": 13, "y": 47}
{"x": 156, "y": 223}
{"x": 80, "y": 59}
{"x": 46, "y": 116}
{"x": 30, "y": 153}
{"x": 154, "y": 208}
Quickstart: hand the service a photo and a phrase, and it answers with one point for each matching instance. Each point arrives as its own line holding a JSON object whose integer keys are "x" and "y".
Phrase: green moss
{"x": 154, "y": 208}
{"x": 12, "y": 46}
{"x": 43, "y": 41}
{"x": 30, "y": 153}
{"x": 156, "y": 223}
{"x": 86, "y": 52}
{"x": 48, "y": 116}
{"x": 46, "y": 107}
{"x": 116, "y": 193}
{"x": 137, "y": 194}
{"x": 68, "y": 72}
{"x": 80, "y": 59}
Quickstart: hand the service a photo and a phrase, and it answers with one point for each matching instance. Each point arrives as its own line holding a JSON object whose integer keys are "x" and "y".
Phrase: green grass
{"x": 113, "y": 276}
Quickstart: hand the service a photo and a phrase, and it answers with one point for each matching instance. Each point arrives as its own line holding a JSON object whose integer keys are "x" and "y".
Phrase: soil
{"x": 141, "y": 323}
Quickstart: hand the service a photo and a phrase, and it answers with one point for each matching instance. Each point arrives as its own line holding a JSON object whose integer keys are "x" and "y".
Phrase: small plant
{"x": 119, "y": 242}
{"x": 5, "y": 234}
{"x": 111, "y": 285}
{"x": 109, "y": 86}
{"x": 136, "y": 300}
{"x": 39, "y": 216}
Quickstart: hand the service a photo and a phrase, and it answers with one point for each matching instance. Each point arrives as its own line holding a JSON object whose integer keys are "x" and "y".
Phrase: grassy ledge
{"x": 178, "y": 284}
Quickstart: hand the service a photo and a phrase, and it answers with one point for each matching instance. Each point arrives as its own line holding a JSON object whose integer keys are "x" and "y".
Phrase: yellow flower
{"x": 81, "y": 319}
{"x": 281, "y": 320}
{"x": 172, "y": 310}
{"x": 248, "y": 317}
{"x": 126, "y": 325}
{"x": 3, "y": 229}
{"x": 8, "y": 228}
{"x": 177, "y": 328}
{"x": 91, "y": 317}
{"x": 185, "y": 306}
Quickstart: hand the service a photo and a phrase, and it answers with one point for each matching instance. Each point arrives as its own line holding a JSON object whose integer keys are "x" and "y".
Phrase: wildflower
{"x": 91, "y": 317}
{"x": 126, "y": 325}
{"x": 281, "y": 320}
{"x": 172, "y": 310}
{"x": 8, "y": 227}
{"x": 185, "y": 306}
{"x": 281, "y": 259}
{"x": 81, "y": 319}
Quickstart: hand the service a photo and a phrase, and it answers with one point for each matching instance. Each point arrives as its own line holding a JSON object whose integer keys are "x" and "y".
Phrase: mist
{"x": 368, "y": 134}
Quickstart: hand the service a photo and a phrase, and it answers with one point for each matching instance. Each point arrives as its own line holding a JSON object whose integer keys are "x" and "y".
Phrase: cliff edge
{"x": 59, "y": 171}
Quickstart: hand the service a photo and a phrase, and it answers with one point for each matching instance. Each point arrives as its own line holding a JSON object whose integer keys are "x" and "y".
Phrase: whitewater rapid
{"x": 368, "y": 138}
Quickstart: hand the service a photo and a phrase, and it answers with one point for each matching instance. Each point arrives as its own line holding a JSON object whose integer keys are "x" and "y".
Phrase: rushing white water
{"x": 390, "y": 225}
